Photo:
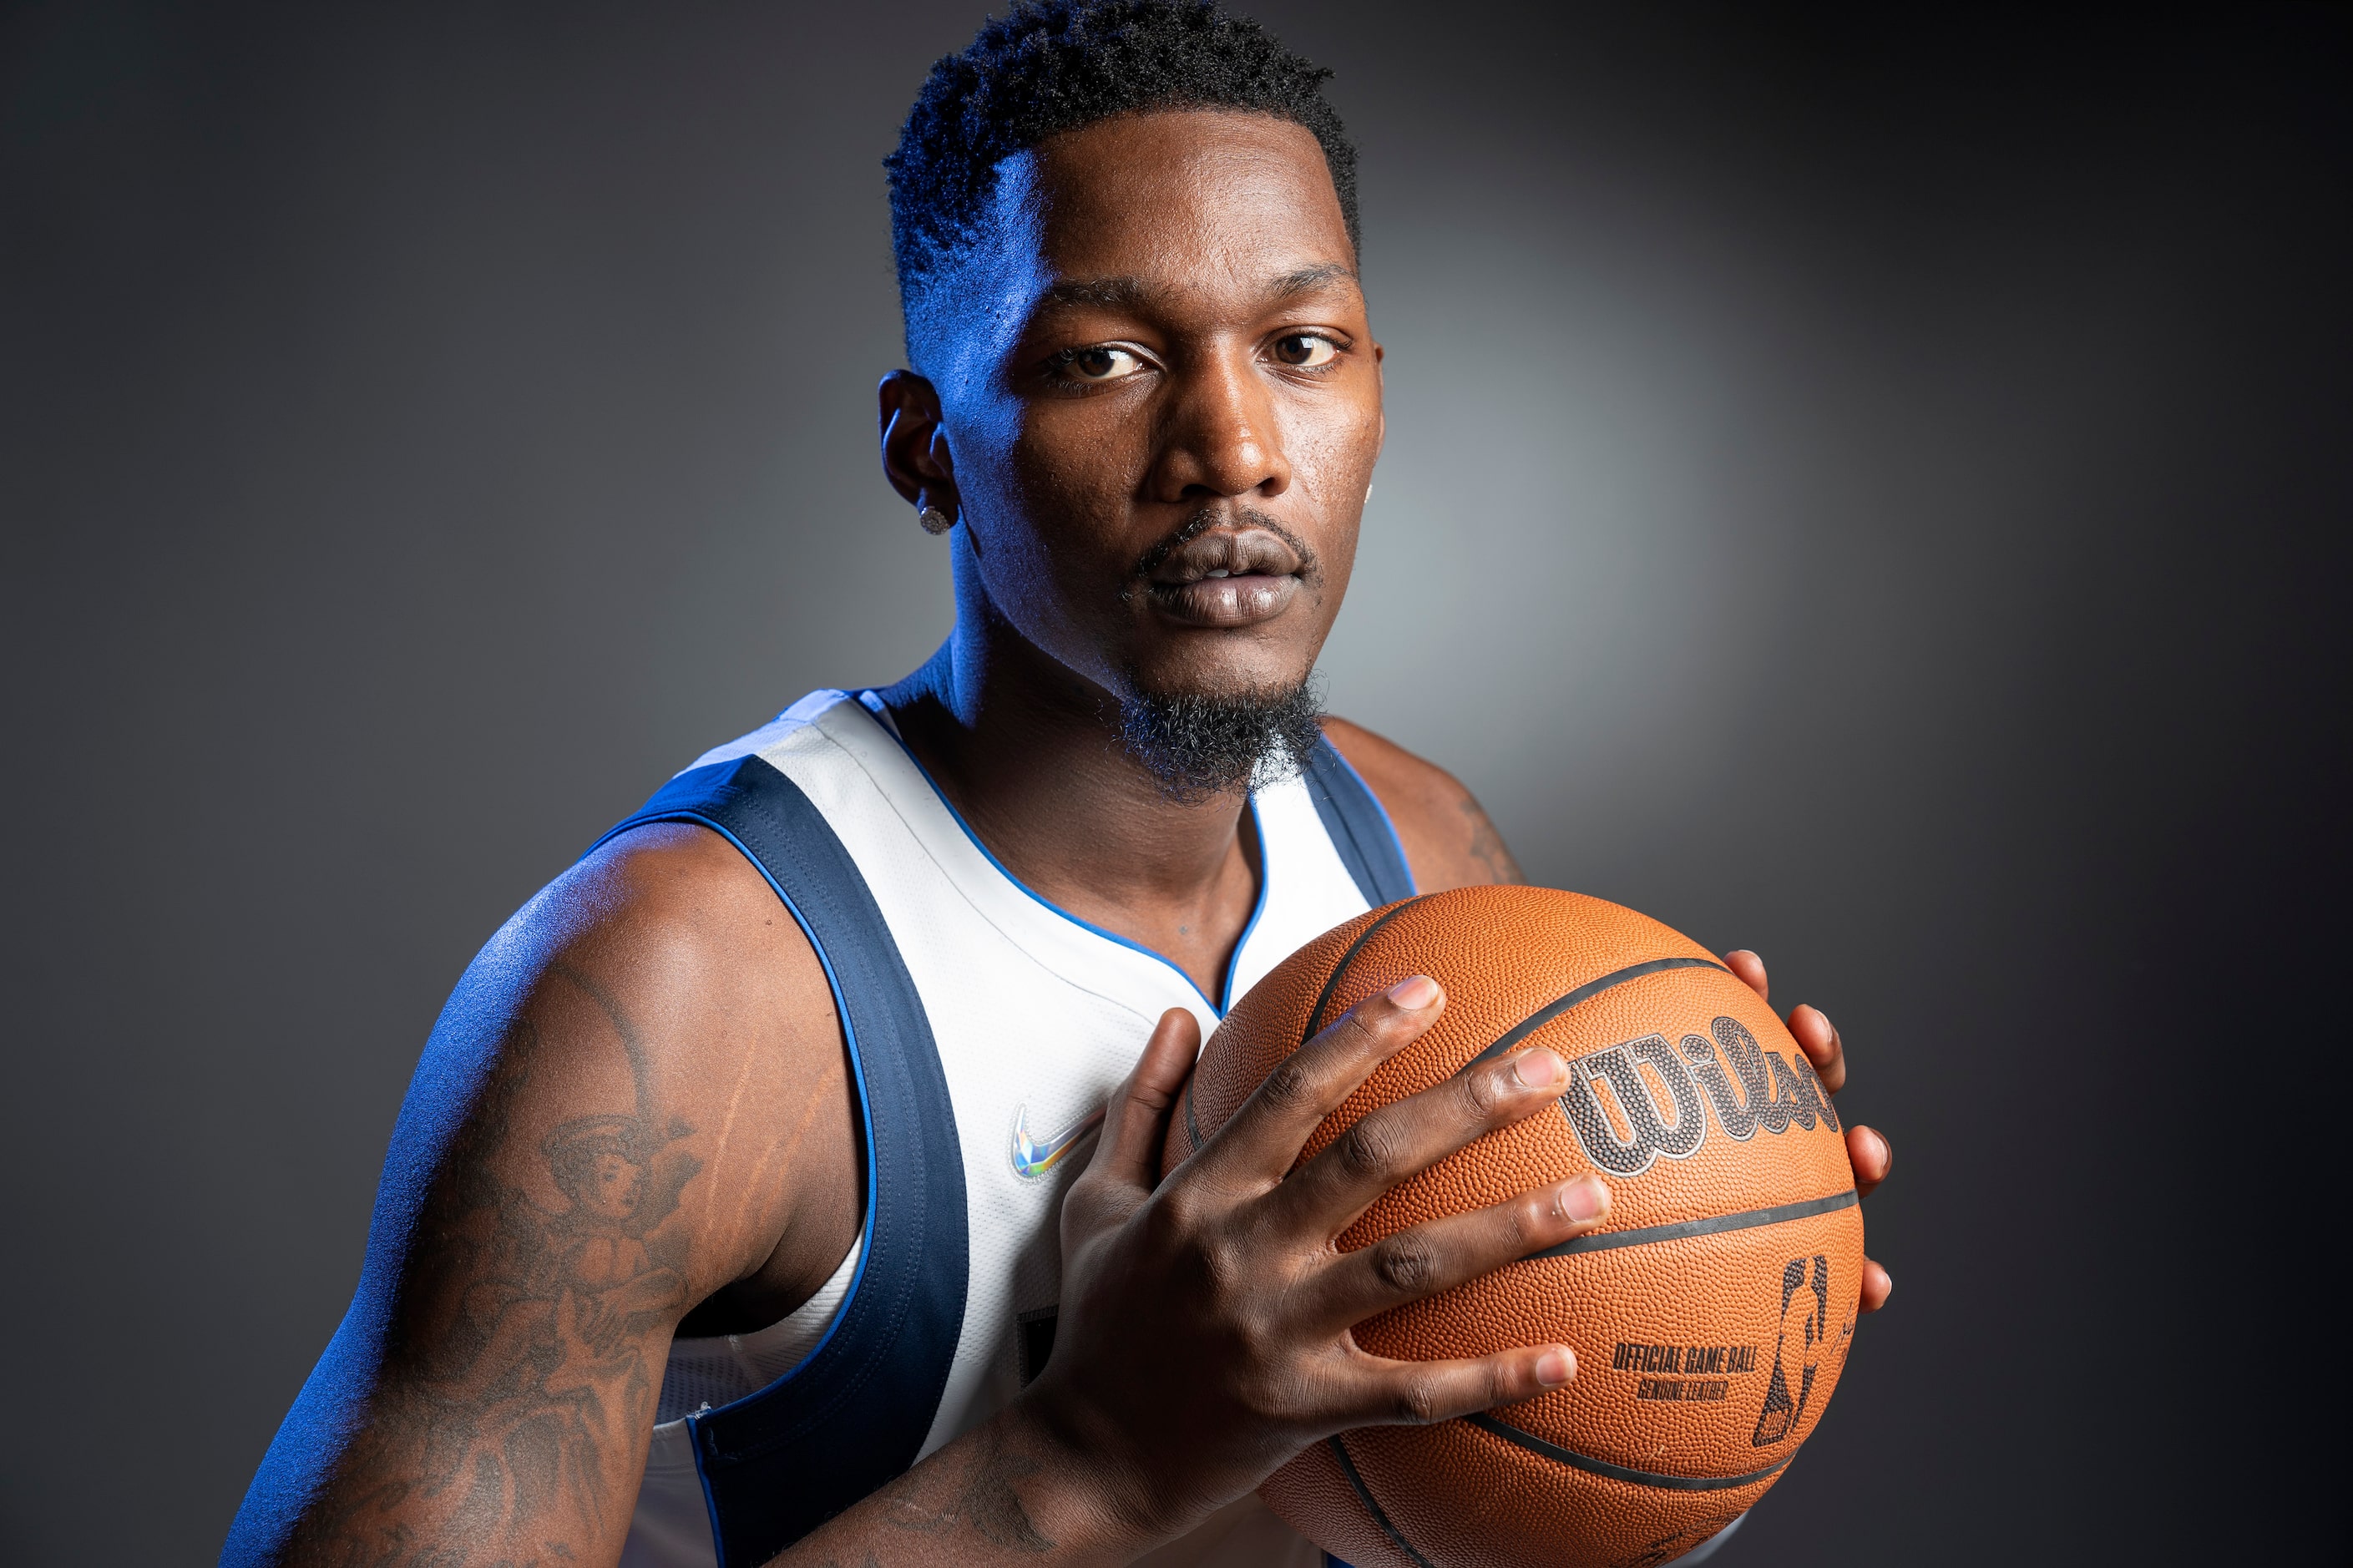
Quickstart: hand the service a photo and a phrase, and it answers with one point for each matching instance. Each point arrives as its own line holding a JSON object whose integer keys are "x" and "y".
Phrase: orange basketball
{"x": 1712, "y": 1313}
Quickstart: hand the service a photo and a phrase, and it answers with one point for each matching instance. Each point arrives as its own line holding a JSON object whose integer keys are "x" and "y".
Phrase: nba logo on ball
{"x": 1701, "y": 1315}
{"x": 1805, "y": 1329}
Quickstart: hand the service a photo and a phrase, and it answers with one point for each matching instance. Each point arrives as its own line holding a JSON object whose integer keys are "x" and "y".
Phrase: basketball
{"x": 1711, "y": 1314}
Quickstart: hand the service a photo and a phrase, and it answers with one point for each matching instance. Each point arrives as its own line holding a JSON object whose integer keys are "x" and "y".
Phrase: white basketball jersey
{"x": 1036, "y": 1017}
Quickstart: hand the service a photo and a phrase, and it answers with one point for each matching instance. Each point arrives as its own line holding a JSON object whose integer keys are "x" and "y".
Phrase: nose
{"x": 1222, "y": 438}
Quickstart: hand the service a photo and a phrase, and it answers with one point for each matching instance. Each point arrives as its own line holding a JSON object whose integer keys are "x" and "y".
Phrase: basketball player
{"x": 757, "y": 1168}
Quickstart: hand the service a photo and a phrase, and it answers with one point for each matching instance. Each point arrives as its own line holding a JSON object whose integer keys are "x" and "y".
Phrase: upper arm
{"x": 1448, "y": 840}
{"x": 636, "y": 1091}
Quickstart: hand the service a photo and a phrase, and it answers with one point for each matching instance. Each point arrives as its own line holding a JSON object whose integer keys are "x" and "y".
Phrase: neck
{"x": 1029, "y": 753}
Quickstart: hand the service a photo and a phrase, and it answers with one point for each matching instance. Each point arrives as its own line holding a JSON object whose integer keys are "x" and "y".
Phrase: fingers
{"x": 1395, "y": 1140}
{"x": 1876, "y": 1285}
{"x": 1444, "y": 1253}
{"x": 1129, "y": 1154}
{"x": 1868, "y": 1150}
{"x": 1749, "y": 970}
{"x": 1815, "y": 1032}
{"x": 1260, "y": 1144}
{"x": 1820, "y": 1040}
{"x": 1421, "y": 1392}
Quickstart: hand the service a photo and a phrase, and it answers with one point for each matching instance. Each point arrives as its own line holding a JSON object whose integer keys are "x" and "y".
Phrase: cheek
{"x": 981, "y": 439}
{"x": 1343, "y": 451}
{"x": 1332, "y": 463}
{"x": 1082, "y": 461}
{"x": 1331, "y": 443}
{"x": 1047, "y": 499}
{"x": 1055, "y": 524}
{"x": 1028, "y": 467}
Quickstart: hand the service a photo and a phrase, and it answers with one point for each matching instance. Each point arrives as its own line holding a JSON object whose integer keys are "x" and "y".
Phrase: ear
{"x": 915, "y": 457}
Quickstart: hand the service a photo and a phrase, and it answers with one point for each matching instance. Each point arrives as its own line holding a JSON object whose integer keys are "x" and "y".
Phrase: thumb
{"x": 1129, "y": 1155}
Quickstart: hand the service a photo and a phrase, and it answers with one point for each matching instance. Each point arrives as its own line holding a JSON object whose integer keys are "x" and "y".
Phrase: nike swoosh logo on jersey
{"x": 1036, "y": 1156}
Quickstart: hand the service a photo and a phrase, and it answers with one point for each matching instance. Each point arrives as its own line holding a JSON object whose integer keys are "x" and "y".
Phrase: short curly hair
{"x": 1049, "y": 66}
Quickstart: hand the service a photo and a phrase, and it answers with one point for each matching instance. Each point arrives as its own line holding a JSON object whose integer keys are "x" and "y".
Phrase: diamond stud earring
{"x": 934, "y": 521}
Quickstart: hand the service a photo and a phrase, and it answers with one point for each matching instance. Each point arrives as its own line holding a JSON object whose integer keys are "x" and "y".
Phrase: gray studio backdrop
{"x": 1865, "y": 488}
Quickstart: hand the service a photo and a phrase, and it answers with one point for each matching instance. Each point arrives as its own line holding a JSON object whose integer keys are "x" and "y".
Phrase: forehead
{"x": 1182, "y": 197}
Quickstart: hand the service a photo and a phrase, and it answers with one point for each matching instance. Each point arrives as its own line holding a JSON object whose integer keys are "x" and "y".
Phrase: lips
{"x": 1227, "y": 578}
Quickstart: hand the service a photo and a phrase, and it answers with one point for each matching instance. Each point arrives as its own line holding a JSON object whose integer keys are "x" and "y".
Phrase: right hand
{"x": 1204, "y": 1333}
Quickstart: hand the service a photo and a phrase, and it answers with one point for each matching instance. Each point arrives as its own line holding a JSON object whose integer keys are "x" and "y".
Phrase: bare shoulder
{"x": 661, "y": 980}
{"x": 1449, "y": 842}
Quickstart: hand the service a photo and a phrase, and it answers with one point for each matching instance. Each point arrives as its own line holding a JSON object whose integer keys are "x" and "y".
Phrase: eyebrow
{"x": 1307, "y": 279}
{"x": 1110, "y": 292}
{"x": 1121, "y": 292}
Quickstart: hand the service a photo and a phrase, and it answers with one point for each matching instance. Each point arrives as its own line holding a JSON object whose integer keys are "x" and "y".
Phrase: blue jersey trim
{"x": 1359, "y": 826}
{"x": 1381, "y": 815}
{"x": 871, "y": 701}
{"x": 853, "y": 1414}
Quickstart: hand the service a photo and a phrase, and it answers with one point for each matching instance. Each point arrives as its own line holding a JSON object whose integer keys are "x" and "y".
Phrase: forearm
{"x": 1007, "y": 1492}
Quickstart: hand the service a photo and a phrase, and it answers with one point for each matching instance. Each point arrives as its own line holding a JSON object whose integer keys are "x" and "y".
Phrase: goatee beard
{"x": 1198, "y": 747}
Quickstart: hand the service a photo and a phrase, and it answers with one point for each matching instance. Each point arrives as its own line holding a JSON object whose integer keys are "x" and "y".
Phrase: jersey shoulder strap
{"x": 1358, "y": 827}
{"x": 850, "y": 1417}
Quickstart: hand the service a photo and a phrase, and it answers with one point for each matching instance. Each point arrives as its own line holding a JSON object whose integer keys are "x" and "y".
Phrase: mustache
{"x": 1210, "y": 517}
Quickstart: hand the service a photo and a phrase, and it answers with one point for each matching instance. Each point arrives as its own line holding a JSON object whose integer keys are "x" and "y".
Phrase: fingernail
{"x": 1538, "y": 1069}
{"x": 1555, "y": 1367}
{"x": 1588, "y": 1197}
{"x": 1415, "y": 993}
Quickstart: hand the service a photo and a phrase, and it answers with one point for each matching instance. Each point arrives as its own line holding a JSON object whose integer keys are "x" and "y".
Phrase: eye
{"x": 1101, "y": 364}
{"x": 1306, "y": 351}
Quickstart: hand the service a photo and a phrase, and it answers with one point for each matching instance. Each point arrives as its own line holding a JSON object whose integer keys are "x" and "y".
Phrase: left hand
{"x": 1866, "y": 1149}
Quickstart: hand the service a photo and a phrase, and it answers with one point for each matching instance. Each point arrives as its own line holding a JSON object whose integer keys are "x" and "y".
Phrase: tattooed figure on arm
{"x": 533, "y": 1336}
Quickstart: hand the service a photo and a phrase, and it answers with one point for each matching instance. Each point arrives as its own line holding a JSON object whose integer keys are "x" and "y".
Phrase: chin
{"x": 1228, "y": 675}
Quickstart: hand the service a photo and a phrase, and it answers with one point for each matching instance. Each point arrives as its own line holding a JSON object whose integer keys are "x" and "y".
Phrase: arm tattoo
{"x": 1487, "y": 845}
{"x": 528, "y": 1383}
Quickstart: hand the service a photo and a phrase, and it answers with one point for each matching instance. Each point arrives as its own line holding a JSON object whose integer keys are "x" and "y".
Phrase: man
{"x": 731, "y": 1212}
